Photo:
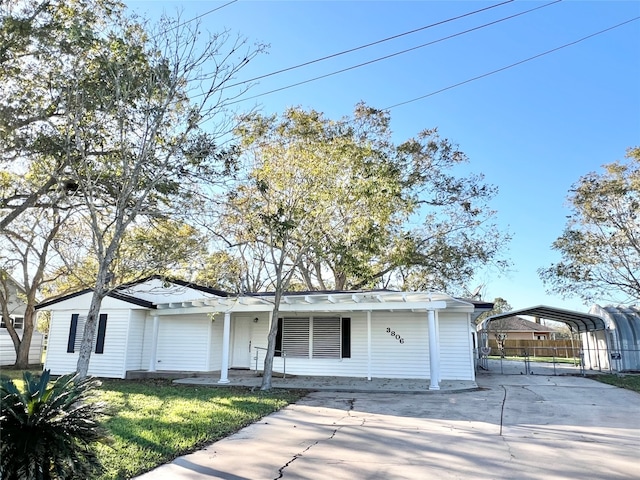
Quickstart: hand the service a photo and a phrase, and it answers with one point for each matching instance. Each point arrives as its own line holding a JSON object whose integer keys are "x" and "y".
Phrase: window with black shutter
{"x": 102, "y": 329}
{"x": 71, "y": 343}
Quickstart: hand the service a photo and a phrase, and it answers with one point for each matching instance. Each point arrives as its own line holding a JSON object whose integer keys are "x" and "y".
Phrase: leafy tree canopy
{"x": 600, "y": 247}
{"x": 365, "y": 195}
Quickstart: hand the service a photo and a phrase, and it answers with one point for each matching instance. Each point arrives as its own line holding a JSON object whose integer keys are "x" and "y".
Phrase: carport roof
{"x": 579, "y": 322}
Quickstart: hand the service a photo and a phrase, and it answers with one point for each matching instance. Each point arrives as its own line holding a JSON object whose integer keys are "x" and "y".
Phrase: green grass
{"x": 630, "y": 381}
{"x": 538, "y": 359}
{"x": 155, "y": 421}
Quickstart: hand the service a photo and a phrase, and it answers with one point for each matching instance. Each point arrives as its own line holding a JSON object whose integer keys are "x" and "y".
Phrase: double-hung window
{"x": 17, "y": 322}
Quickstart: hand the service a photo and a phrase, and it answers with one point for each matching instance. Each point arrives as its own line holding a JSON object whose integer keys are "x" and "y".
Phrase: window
{"x": 18, "y": 323}
{"x": 326, "y": 338}
{"x": 295, "y": 337}
{"x": 76, "y": 331}
{"x": 317, "y": 337}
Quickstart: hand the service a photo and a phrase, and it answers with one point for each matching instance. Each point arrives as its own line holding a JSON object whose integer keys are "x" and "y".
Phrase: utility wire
{"x": 393, "y": 54}
{"x": 513, "y": 64}
{"x": 344, "y": 52}
{"x": 194, "y": 18}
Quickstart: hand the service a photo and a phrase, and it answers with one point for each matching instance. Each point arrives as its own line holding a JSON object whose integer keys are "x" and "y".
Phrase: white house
{"x": 12, "y": 292}
{"x": 157, "y": 325}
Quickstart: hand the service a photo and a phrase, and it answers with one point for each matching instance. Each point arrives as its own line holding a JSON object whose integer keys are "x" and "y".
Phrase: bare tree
{"x": 27, "y": 252}
{"x": 152, "y": 143}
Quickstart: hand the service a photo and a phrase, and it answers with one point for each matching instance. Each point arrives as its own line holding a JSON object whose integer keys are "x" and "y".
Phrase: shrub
{"x": 48, "y": 430}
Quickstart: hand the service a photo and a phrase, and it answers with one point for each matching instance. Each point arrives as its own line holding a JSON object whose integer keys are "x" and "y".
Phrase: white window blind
{"x": 326, "y": 338}
{"x": 295, "y": 337}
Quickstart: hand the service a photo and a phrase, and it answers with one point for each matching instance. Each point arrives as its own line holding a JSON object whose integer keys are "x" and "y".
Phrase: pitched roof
{"x": 518, "y": 324}
{"x": 114, "y": 294}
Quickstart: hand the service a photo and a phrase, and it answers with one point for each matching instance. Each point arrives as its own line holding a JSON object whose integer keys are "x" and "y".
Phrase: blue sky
{"x": 533, "y": 129}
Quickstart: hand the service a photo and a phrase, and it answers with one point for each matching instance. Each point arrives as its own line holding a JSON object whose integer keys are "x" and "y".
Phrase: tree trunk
{"x": 23, "y": 347}
{"x": 267, "y": 373}
{"x": 89, "y": 333}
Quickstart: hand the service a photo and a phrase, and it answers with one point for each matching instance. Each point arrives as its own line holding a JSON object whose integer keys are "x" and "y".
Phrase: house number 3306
{"x": 395, "y": 335}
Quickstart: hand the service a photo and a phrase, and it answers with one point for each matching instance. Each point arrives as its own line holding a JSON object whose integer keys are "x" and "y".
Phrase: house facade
{"x": 12, "y": 292}
{"x": 519, "y": 328}
{"x": 175, "y": 326}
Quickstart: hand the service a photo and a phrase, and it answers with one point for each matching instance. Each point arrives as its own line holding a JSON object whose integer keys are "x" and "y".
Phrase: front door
{"x": 241, "y": 351}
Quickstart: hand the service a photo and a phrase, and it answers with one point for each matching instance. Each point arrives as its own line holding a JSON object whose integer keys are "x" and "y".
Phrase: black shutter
{"x": 102, "y": 328}
{"x": 346, "y": 338}
{"x": 72, "y": 333}
{"x": 279, "y": 339}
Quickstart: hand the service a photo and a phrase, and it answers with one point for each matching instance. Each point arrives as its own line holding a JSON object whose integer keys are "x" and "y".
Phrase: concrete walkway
{"x": 247, "y": 378}
{"x": 513, "y": 426}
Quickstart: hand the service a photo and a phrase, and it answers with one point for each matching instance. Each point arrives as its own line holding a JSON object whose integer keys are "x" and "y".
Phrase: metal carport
{"x": 578, "y": 321}
{"x": 583, "y": 323}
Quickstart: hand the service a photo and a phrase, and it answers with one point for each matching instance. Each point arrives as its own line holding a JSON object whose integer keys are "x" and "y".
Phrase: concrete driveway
{"x": 524, "y": 427}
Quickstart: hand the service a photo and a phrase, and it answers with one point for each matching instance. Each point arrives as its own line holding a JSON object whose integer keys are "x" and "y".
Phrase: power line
{"x": 344, "y": 52}
{"x": 513, "y": 64}
{"x": 353, "y": 67}
{"x": 195, "y": 18}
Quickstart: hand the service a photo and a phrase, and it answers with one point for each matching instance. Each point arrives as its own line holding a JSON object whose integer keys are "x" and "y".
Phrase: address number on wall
{"x": 395, "y": 335}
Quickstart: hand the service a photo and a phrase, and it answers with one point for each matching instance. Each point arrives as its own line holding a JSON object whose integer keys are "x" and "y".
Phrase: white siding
{"x": 8, "y": 352}
{"x": 405, "y": 354}
{"x": 146, "y": 342}
{"x": 182, "y": 343}
{"x": 215, "y": 352}
{"x": 400, "y": 345}
{"x": 135, "y": 341}
{"x": 108, "y": 364}
{"x": 356, "y": 366}
{"x": 456, "y": 352}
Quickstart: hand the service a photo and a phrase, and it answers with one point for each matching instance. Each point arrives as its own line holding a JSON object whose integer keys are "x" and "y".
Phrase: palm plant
{"x": 48, "y": 430}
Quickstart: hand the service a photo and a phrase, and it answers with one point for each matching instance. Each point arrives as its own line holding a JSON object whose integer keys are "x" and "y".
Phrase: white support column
{"x": 369, "y": 345}
{"x": 226, "y": 336}
{"x": 438, "y": 344}
{"x": 434, "y": 358}
{"x": 153, "y": 358}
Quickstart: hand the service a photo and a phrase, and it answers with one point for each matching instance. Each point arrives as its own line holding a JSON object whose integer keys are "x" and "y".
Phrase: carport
{"x": 592, "y": 328}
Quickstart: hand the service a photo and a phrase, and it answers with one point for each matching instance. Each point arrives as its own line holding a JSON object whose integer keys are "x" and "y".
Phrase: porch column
{"x": 438, "y": 344}
{"x": 434, "y": 358}
{"x": 369, "y": 345}
{"x": 153, "y": 358}
{"x": 226, "y": 335}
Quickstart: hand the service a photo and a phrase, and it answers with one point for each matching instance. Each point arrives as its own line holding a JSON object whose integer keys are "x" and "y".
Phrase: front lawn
{"x": 155, "y": 421}
{"x": 630, "y": 382}
{"x": 538, "y": 359}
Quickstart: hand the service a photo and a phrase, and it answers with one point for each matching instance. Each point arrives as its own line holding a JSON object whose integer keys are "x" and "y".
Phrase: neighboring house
{"x": 13, "y": 292}
{"x": 519, "y": 328}
{"x": 156, "y": 325}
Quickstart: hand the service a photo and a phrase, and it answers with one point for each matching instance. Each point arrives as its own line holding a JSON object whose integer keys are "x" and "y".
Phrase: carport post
{"x": 434, "y": 361}
{"x": 226, "y": 335}
{"x": 154, "y": 343}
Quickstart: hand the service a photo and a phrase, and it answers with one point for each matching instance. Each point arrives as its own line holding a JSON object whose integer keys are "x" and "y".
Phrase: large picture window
{"x": 315, "y": 337}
